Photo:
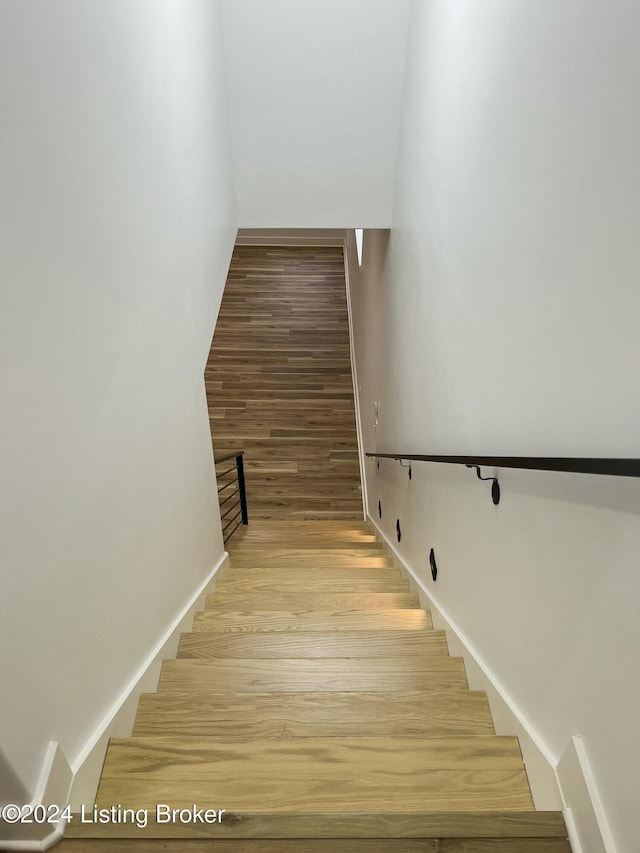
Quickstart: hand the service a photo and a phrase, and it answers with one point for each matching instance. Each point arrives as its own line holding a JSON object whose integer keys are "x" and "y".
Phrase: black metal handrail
{"x": 571, "y": 464}
{"x": 235, "y": 514}
{"x": 568, "y": 464}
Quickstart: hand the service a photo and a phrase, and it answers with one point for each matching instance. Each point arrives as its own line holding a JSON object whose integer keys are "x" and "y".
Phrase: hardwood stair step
{"x": 316, "y": 644}
{"x": 313, "y": 509}
{"x": 337, "y": 550}
{"x": 334, "y": 558}
{"x": 294, "y": 572}
{"x": 248, "y": 620}
{"x": 328, "y": 714}
{"x": 330, "y": 602}
{"x": 316, "y": 717}
{"x": 268, "y": 585}
{"x": 326, "y": 533}
{"x": 143, "y": 844}
{"x": 262, "y": 675}
{"x": 317, "y": 774}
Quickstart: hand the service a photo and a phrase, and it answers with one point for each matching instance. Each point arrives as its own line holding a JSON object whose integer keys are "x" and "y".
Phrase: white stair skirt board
{"x": 118, "y": 721}
{"x": 586, "y": 822}
{"x": 539, "y": 763}
{"x": 52, "y": 790}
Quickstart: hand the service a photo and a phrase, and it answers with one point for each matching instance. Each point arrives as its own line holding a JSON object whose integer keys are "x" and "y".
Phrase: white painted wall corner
{"x": 76, "y": 784}
{"x": 52, "y": 789}
{"x": 584, "y": 814}
{"x": 118, "y": 721}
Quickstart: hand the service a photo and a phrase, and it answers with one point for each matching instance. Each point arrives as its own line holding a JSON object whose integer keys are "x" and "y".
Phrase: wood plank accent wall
{"x": 279, "y": 383}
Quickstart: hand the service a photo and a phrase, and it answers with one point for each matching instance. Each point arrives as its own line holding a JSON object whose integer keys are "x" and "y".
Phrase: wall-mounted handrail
{"x": 571, "y": 464}
{"x": 237, "y": 513}
{"x": 567, "y": 464}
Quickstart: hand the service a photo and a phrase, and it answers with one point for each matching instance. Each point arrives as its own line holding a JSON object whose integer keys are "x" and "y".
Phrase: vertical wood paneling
{"x": 279, "y": 382}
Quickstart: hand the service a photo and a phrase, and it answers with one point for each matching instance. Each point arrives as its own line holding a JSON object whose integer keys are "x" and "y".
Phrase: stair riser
{"x": 265, "y": 621}
{"x": 266, "y": 587}
{"x": 299, "y": 675}
{"x": 343, "y": 603}
{"x": 497, "y": 828}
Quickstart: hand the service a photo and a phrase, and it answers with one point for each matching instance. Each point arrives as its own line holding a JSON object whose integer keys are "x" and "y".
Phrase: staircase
{"x": 315, "y": 703}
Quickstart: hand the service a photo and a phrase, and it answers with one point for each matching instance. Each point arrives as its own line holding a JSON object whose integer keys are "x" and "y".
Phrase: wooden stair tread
{"x": 308, "y": 600}
{"x": 490, "y": 827}
{"x": 316, "y": 644}
{"x": 262, "y": 621}
{"x": 369, "y": 550}
{"x": 318, "y": 774}
{"x": 293, "y": 572}
{"x": 336, "y": 559}
{"x": 261, "y": 675}
{"x": 328, "y": 714}
{"x": 143, "y": 844}
{"x": 325, "y": 533}
{"x": 313, "y": 709}
{"x": 266, "y": 585}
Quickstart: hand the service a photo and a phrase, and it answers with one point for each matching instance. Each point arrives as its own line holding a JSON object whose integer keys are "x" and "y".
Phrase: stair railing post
{"x": 241, "y": 486}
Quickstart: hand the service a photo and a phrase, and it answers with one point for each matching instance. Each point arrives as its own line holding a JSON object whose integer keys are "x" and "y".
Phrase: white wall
{"x": 502, "y": 318}
{"x": 315, "y": 90}
{"x": 516, "y": 218}
{"x": 117, "y": 222}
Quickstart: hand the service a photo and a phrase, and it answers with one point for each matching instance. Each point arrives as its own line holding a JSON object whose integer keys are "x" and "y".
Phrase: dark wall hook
{"x": 402, "y": 465}
{"x": 495, "y": 486}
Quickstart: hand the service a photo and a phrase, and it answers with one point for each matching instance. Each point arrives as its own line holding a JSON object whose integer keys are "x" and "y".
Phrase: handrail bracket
{"x": 495, "y": 485}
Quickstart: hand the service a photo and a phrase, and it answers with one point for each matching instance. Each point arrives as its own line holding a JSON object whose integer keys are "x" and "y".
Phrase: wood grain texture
{"x": 502, "y": 845}
{"x": 334, "y": 558}
{"x": 329, "y": 845}
{"x": 314, "y": 644}
{"x": 525, "y": 825}
{"x": 263, "y": 586}
{"x": 317, "y": 774}
{"x": 339, "y": 604}
{"x": 320, "y": 715}
{"x": 387, "y": 618}
{"x": 257, "y": 675}
{"x": 304, "y": 535}
{"x": 338, "y": 714}
{"x": 322, "y": 574}
{"x": 279, "y": 385}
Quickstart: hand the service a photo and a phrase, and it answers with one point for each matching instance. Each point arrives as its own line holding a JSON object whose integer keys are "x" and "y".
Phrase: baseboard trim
{"x": 539, "y": 762}
{"x": 52, "y": 788}
{"x": 118, "y": 720}
{"x": 586, "y": 823}
{"x": 33, "y": 845}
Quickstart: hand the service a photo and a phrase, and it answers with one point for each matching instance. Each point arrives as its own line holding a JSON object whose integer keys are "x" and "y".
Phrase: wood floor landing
{"x": 279, "y": 384}
{"x": 336, "y": 723}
